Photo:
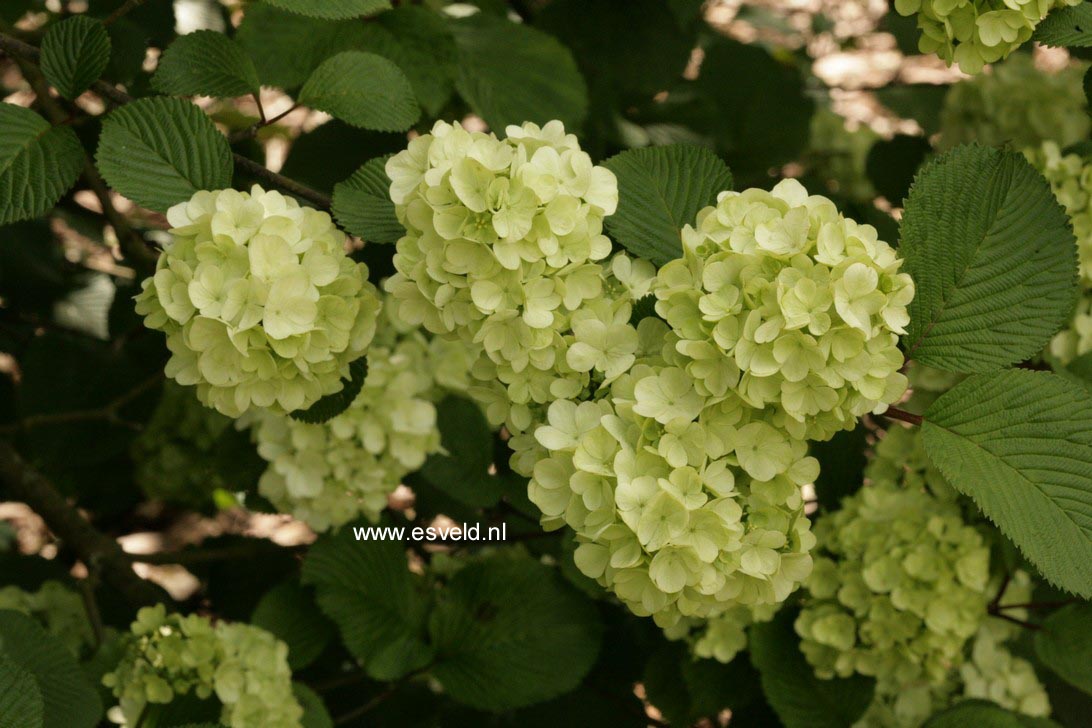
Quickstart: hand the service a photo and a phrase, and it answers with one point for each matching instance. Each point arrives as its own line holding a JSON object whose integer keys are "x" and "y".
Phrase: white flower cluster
{"x": 501, "y": 249}
{"x": 1016, "y": 104}
{"x": 59, "y": 610}
{"x": 1071, "y": 180}
{"x": 900, "y": 591}
{"x": 172, "y": 454}
{"x": 684, "y": 504}
{"x": 973, "y": 33}
{"x": 798, "y": 309}
{"x": 724, "y": 636}
{"x": 260, "y": 303}
{"x": 331, "y": 473}
{"x": 168, "y": 655}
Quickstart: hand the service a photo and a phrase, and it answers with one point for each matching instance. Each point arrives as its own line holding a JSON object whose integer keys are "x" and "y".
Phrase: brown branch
{"x": 96, "y": 549}
{"x": 895, "y": 413}
{"x": 122, "y": 11}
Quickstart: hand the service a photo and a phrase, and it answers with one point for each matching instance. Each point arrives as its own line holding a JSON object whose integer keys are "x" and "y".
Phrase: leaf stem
{"x": 895, "y": 413}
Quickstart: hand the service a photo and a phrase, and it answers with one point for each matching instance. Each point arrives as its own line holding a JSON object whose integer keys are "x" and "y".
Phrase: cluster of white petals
{"x": 331, "y": 473}
{"x": 260, "y": 303}
{"x": 169, "y": 655}
{"x": 797, "y": 309}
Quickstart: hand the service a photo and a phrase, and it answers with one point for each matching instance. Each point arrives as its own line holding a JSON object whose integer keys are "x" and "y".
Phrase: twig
{"x": 94, "y": 548}
{"x": 903, "y": 416}
{"x": 122, "y": 11}
{"x": 1014, "y": 620}
{"x": 107, "y": 413}
{"x": 379, "y": 698}
{"x": 1040, "y": 605}
{"x": 91, "y": 606}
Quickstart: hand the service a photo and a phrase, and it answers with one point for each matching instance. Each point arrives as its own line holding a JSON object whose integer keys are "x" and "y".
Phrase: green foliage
{"x": 462, "y": 469}
{"x": 1020, "y": 444}
{"x": 38, "y": 163}
{"x": 21, "y": 704}
{"x": 1067, "y": 27}
{"x": 800, "y": 699}
{"x": 288, "y": 612}
{"x": 661, "y": 189}
{"x": 362, "y": 204}
{"x": 362, "y": 89}
{"x": 75, "y": 52}
{"x": 1064, "y": 644}
{"x": 841, "y": 465}
{"x": 206, "y": 63}
{"x": 160, "y": 151}
{"x": 892, "y": 164}
{"x": 510, "y": 73}
{"x": 338, "y": 9}
{"x": 983, "y": 714}
{"x": 993, "y": 261}
{"x": 285, "y": 47}
{"x": 332, "y": 405}
{"x": 315, "y": 714}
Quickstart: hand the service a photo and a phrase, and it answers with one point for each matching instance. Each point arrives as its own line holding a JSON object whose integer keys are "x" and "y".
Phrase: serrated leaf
{"x": 21, "y": 704}
{"x": 285, "y": 47}
{"x": 368, "y": 591}
{"x": 462, "y": 469}
{"x": 1020, "y": 444}
{"x": 420, "y": 42}
{"x": 332, "y": 405}
{"x": 661, "y": 189}
{"x": 160, "y": 151}
{"x": 362, "y": 89}
{"x": 800, "y": 699}
{"x": 70, "y": 701}
{"x": 75, "y": 52}
{"x": 993, "y": 259}
{"x": 315, "y": 714}
{"x": 206, "y": 63}
{"x": 1064, "y": 644}
{"x": 38, "y": 163}
{"x": 510, "y": 73}
{"x": 1066, "y": 27}
{"x": 333, "y": 9}
{"x": 983, "y": 714}
{"x": 508, "y": 633}
{"x": 362, "y": 204}
{"x": 288, "y": 612}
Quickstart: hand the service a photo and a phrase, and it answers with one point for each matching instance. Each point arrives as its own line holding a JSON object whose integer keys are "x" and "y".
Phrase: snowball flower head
{"x": 168, "y": 655}
{"x": 57, "y": 608}
{"x": 260, "y": 303}
{"x": 972, "y": 33}
{"x": 795, "y": 307}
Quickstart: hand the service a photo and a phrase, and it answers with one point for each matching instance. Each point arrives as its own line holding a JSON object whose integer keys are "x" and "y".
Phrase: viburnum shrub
{"x": 526, "y": 362}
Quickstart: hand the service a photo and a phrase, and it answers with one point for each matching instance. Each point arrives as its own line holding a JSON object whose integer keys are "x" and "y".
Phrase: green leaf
{"x": 892, "y": 163}
{"x": 75, "y": 52}
{"x": 841, "y": 465}
{"x": 288, "y": 612}
{"x": 462, "y": 470}
{"x": 362, "y": 204}
{"x": 160, "y": 151}
{"x": 1020, "y": 444}
{"x": 21, "y": 704}
{"x": 332, "y": 405}
{"x": 983, "y": 714}
{"x": 334, "y": 9}
{"x": 508, "y": 633}
{"x": 661, "y": 189}
{"x": 1064, "y": 644}
{"x": 421, "y": 44}
{"x": 367, "y": 589}
{"x": 362, "y": 89}
{"x": 510, "y": 73}
{"x": 800, "y": 699}
{"x": 285, "y": 47}
{"x": 315, "y": 714}
{"x": 993, "y": 259}
{"x": 70, "y": 700}
{"x": 38, "y": 163}
{"x": 206, "y": 63}
{"x": 1069, "y": 27}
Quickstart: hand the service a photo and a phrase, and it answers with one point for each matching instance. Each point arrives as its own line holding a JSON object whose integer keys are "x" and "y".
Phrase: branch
{"x": 18, "y": 49}
{"x": 107, "y": 413}
{"x": 94, "y": 548}
{"x": 122, "y": 11}
{"x": 895, "y": 413}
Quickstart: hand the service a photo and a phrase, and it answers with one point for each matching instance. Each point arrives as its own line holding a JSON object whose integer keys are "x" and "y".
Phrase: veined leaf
{"x": 160, "y": 151}
{"x": 362, "y": 204}
{"x": 661, "y": 189}
{"x": 1069, "y": 27}
{"x": 38, "y": 163}
{"x": 993, "y": 259}
{"x": 1064, "y": 644}
{"x": 332, "y": 405}
{"x": 362, "y": 89}
{"x": 206, "y": 63}
{"x": 75, "y": 52}
{"x": 334, "y": 9}
{"x": 288, "y": 612}
{"x": 984, "y": 714}
{"x": 20, "y": 699}
{"x": 1020, "y": 444}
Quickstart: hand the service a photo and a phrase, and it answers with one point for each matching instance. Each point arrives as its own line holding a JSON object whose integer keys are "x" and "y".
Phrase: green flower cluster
{"x": 972, "y": 33}
{"x": 993, "y": 673}
{"x": 781, "y": 299}
{"x": 1071, "y": 180}
{"x": 59, "y": 610}
{"x": 684, "y": 504}
{"x": 1016, "y": 104}
{"x": 260, "y": 303}
{"x": 172, "y": 454}
{"x": 838, "y": 155}
{"x": 329, "y": 474}
{"x": 245, "y": 667}
{"x": 501, "y": 249}
{"x": 724, "y": 636}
